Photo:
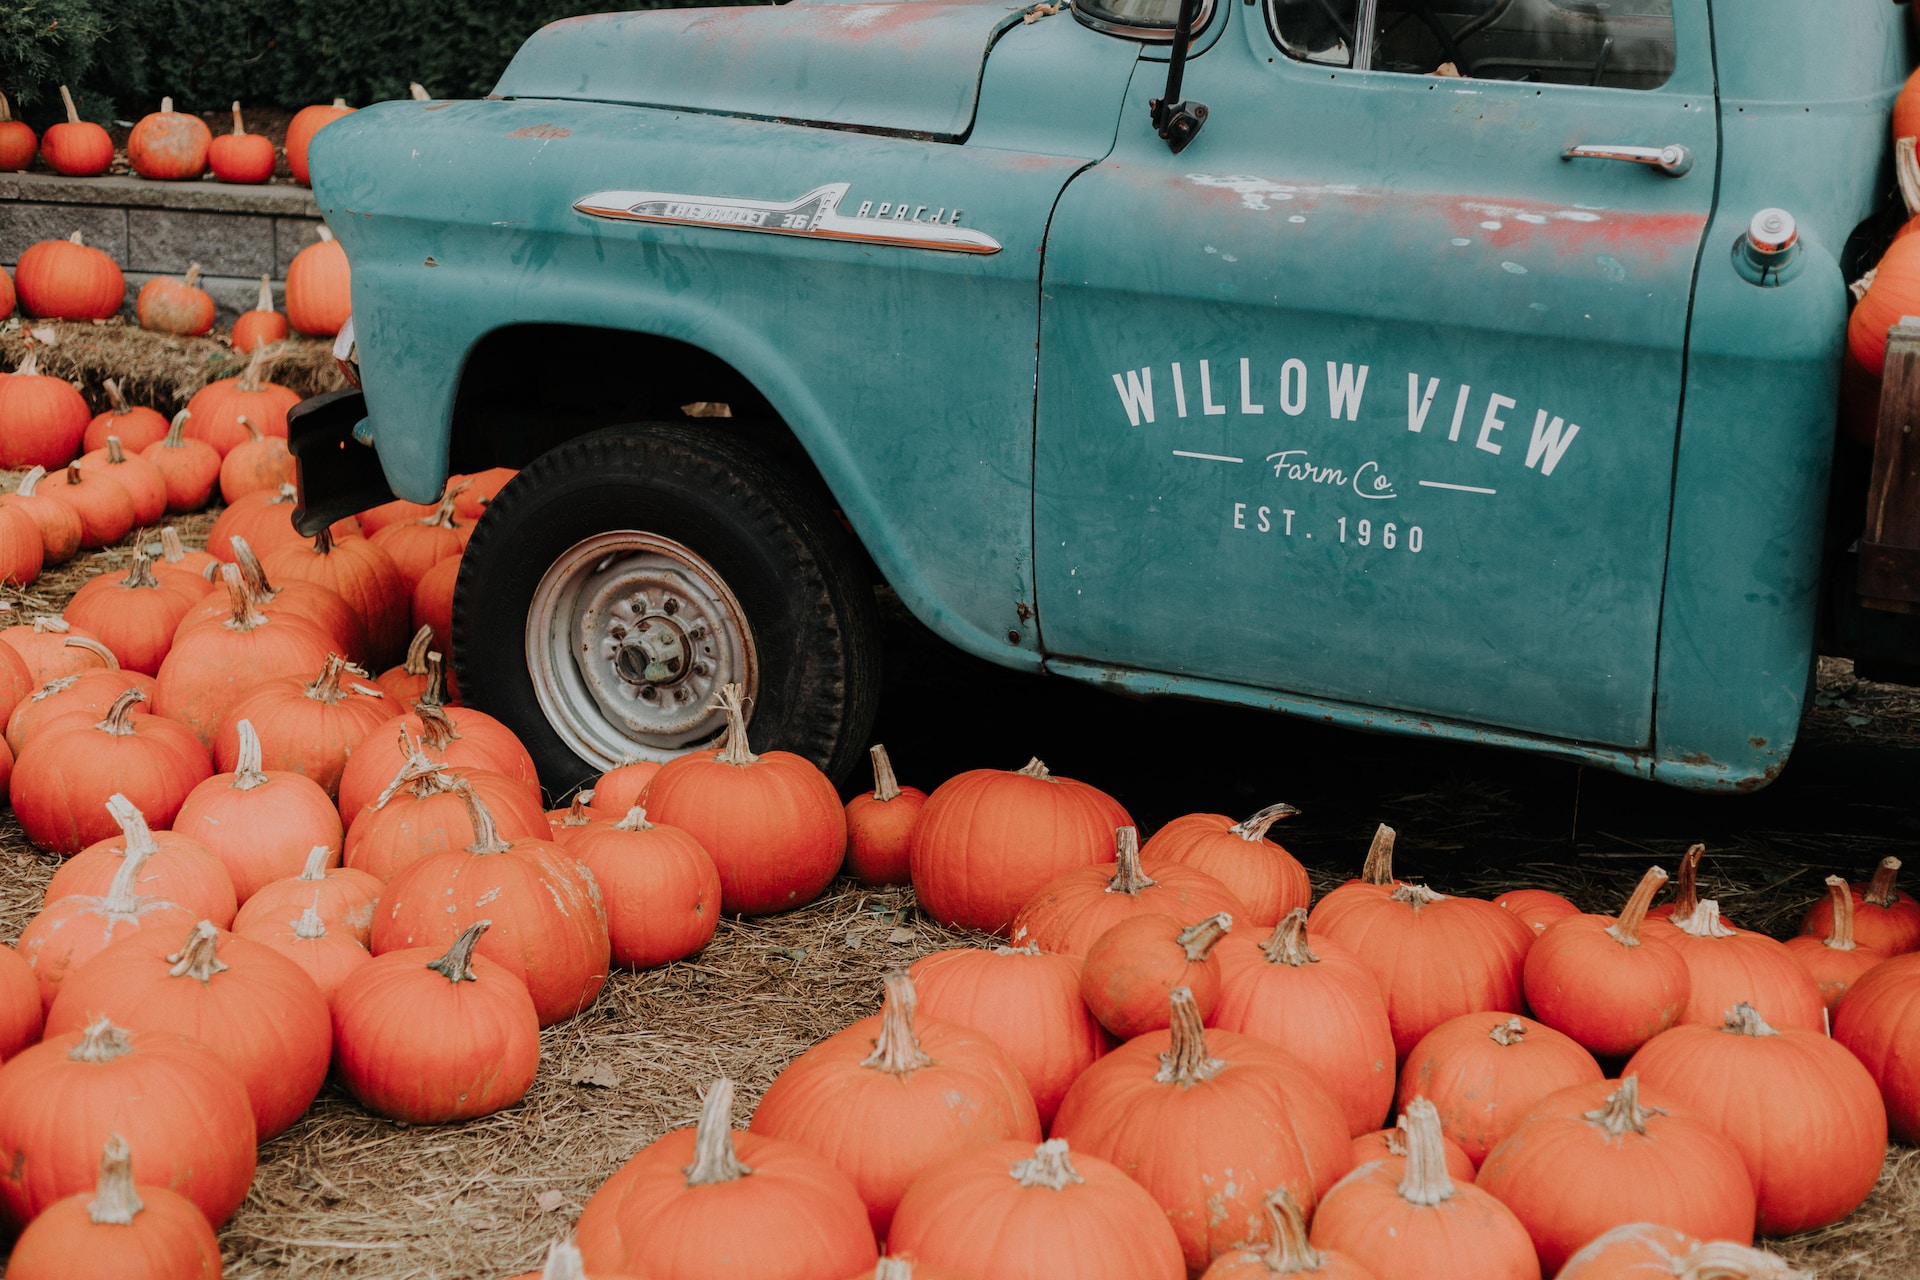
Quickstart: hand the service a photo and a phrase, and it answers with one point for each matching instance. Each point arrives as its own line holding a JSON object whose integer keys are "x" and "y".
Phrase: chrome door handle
{"x": 1672, "y": 160}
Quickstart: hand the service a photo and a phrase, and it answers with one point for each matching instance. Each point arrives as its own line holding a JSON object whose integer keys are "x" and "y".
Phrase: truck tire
{"x": 621, "y": 578}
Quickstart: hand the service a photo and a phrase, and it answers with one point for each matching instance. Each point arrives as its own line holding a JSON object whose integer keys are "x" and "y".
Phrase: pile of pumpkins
{"x": 277, "y": 867}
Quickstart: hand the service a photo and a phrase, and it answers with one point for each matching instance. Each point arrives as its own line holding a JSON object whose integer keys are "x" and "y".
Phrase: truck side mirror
{"x": 1174, "y": 118}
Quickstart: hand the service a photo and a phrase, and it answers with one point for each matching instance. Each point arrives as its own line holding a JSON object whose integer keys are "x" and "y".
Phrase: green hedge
{"x": 123, "y": 55}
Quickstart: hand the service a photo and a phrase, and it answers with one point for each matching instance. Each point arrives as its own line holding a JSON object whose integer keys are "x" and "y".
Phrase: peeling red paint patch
{"x": 541, "y": 131}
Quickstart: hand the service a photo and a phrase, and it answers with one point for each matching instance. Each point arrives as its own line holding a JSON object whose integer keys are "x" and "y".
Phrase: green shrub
{"x": 45, "y": 44}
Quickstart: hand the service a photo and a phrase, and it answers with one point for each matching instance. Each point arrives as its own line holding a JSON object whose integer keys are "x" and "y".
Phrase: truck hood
{"x": 910, "y": 69}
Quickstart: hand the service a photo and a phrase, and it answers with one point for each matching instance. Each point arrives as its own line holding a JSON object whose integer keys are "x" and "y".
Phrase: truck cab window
{"x": 1619, "y": 44}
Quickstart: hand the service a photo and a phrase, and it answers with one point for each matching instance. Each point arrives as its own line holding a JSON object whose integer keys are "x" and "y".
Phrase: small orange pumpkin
{"x": 1537, "y": 907}
{"x": 242, "y": 157}
{"x": 306, "y": 122}
{"x": 1131, "y": 970}
{"x": 1885, "y": 918}
{"x": 1070, "y": 912}
{"x": 63, "y": 779}
{"x": 1611, "y": 985}
{"x": 362, "y": 575}
{"x": 58, "y": 523}
{"x": 78, "y": 148}
{"x": 418, "y": 545}
{"x": 262, "y": 325}
{"x": 329, "y": 957}
{"x": 1483, "y": 1072}
{"x": 189, "y": 467}
{"x": 69, "y": 279}
{"x": 1268, "y": 881}
{"x": 618, "y": 789}
{"x": 173, "y": 867}
{"x": 136, "y": 425}
{"x": 342, "y": 897}
{"x": 1836, "y": 961}
{"x": 308, "y": 727}
{"x": 879, "y": 825}
{"x": 213, "y": 665}
{"x": 259, "y": 462}
{"x": 1728, "y": 966}
{"x": 22, "y": 552}
{"x": 262, "y": 825}
{"x": 661, "y": 889}
{"x": 42, "y": 418}
{"x": 18, "y": 143}
{"x": 134, "y": 616}
{"x": 118, "y": 1229}
{"x": 1288, "y": 1251}
{"x": 68, "y": 932}
{"x": 319, "y": 288}
{"x": 145, "y": 486}
{"x": 169, "y": 145}
{"x": 215, "y": 411}
{"x": 42, "y": 644}
{"x": 166, "y": 305}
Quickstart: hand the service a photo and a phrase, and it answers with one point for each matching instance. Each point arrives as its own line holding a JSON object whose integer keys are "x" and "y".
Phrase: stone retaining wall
{"x": 236, "y": 233}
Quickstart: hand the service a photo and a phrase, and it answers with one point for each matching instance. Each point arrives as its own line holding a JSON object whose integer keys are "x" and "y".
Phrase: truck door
{"x": 1371, "y": 395}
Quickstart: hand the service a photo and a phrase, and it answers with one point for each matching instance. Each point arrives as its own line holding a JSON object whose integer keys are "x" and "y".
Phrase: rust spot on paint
{"x": 541, "y": 131}
{"x": 1758, "y": 744}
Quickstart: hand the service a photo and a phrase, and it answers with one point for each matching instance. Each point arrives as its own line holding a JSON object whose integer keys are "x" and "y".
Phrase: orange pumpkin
{"x": 427, "y": 1037}
{"x": 16, "y": 681}
{"x": 58, "y": 523}
{"x": 262, "y": 825}
{"x": 70, "y": 931}
{"x": 258, "y": 1011}
{"x": 1417, "y": 1221}
{"x": 1208, "y": 1123}
{"x": 136, "y": 425}
{"x": 1611, "y": 985}
{"x": 1728, "y": 966}
{"x": 242, "y": 157}
{"x": 459, "y": 737}
{"x": 134, "y": 616}
{"x": 1483, "y": 1072}
{"x": 105, "y": 506}
{"x": 661, "y": 889}
{"x": 296, "y": 599}
{"x": 1318, "y": 1002}
{"x": 42, "y": 419}
{"x": 327, "y": 957}
{"x": 189, "y": 467}
{"x": 1894, "y": 292}
{"x": 418, "y": 545}
{"x": 18, "y": 142}
{"x": 144, "y": 484}
{"x": 181, "y": 1110}
{"x": 1258, "y": 871}
{"x": 261, "y": 325}
{"x": 1878, "y": 1023}
{"x": 173, "y": 867}
{"x": 342, "y": 897}
{"x": 1803, "y": 1112}
{"x": 361, "y": 574}
{"x": 1130, "y": 971}
{"x": 1288, "y": 1251}
{"x": 119, "y": 1230}
{"x": 374, "y": 519}
{"x": 22, "y": 552}
{"x": 212, "y": 666}
{"x": 260, "y": 462}
{"x": 169, "y": 145}
{"x": 42, "y": 645}
{"x": 63, "y": 779}
{"x": 1070, "y": 912}
{"x": 1885, "y": 919}
{"x": 880, "y": 824}
{"x": 772, "y": 822}
{"x": 69, "y": 279}
{"x": 265, "y": 520}
{"x": 1025, "y": 1000}
{"x": 166, "y": 305}
{"x": 215, "y": 411}
{"x": 1385, "y": 1145}
{"x": 181, "y": 567}
{"x": 618, "y": 789}
{"x": 989, "y": 839}
{"x": 1594, "y": 1157}
{"x": 1538, "y": 908}
{"x": 478, "y": 490}
{"x": 319, "y": 288}
{"x": 424, "y": 811}
{"x": 90, "y": 693}
{"x": 308, "y": 727}
{"x": 406, "y": 683}
{"x": 549, "y": 924}
{"x": 21, "y": 1013}
{"x": 306, "y": 122}
{"x": 574, "y": 820}
{"x": 432, "y": 603}
{"x": 1637, "y": 1251}
{"x": 673, "y": 1211}
{"x": 1836, "y": 961}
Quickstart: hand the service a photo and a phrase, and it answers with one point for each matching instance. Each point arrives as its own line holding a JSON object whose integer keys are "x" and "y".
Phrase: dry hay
{"x": 343, "y": 1194}
{"x": 161, "y": 370}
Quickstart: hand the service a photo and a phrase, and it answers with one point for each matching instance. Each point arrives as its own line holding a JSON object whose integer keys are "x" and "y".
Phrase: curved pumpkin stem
{"x": 1199, "y": 940}
{"x": 250, "y": 567}
{"x": 579, "y": 815}
{"x": 198, "y": 957}
{"x": 1686, "y": 892}
{"x": 1287, "y": 944}
{"x": 735, "y": 750}
{"x": 1725, "y": 1260}
{"x": 252, "y": 376}
{"x": 457, "y": 964}
{"x": 115, "y": 1202}
{"x": 442, "y": 516}
{"x": 1050, "y": 1166}
{"x": 94, "y": 647}
{"x": 1840, "y": 933}
{"x": 437, "y": 729}
{"x": 1622, "y": 1113}
{"x": 1509, "y": 1033}
{"x": 101, "y": 1042}
{"x": 176, "y": 437}
{"x": 122, "y": 897}
{"x": 1426, "y": 1181}
{"x": 636, "y": 820}
{"x": 1254, "y": 829}
{"x": 1705, "y": 921}
{"x": 1378, "y": 868}
{"x": 30, "y": 483}
{"x": 1129, "y": 876}
{"x": 1626, "y": 929}
{"x": 1186, "y": 1061}
{"x": 416, "y": 660}
{"x": 486, "y": 833}
{"x": 141, "y": 574}
{"x": 425, "y": 775}
{"x": 1880, "y": 892}
{"x": 317, "y": 859}
{"x": 325, "y": 687}
{"x": 172, "y": 550}
{"x": 247, "y": 773}
{"x": 896, "y": 1050}
{"x": 714, "y": 1159}
{"x": 116, "y": 401}
{"x": 886, "y": 787}
{"x": 263, "y": 302}
{"x": 242, "y": 616}
{"x": 1745, "y": 1020}
{"x": 74, "y": 476}
{"x": 1290, "y": 1253}
{"x": 136, "y": 835}
{"x": 119, "y": 716}
{"x": 253, "y": 432}
{"x": 434, "y": 694}
{"x": 310, "y": 927}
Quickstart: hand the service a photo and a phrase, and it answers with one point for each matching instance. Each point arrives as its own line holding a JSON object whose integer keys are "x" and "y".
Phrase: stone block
{"x": 26, "y": 222}
{"x": 290, "y": 236}
{"x": 224, "y": 244}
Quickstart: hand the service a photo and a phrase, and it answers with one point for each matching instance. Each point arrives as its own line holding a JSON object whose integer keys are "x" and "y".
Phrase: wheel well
{"x": 528, "y": 388}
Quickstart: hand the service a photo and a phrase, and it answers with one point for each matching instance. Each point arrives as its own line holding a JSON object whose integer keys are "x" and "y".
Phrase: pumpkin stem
{"x": 242, "y": 616}
{"x": 1426, "y": 1181}
{"x": 73, "y": 117}
{"x": 1626, "y": 929}
{"x": 734, "y": 750}
{"x": 310, "y": 927}
{"x": 44, "y": 623}
{"x": 1029, "y": 949}
{"x": 1685, "y": 890}
{"x": 1129, "y": 877}
{"x": 116, "y": 402}
{"x": 1254, "y": 829}
{"x": 250, "y": 566}
{"x": 1287, "y": 944}
{"x": 253, "y": 432}
{"x": 1186, "y": 1061}
{"x": 437, "y": 729}
{"x": 177, "y": 431}
{"x": 1199, "y": 940}
{"x": 74, "y": 478}
{"x": 1622, "y": 1113}
{"x": 94, "y": 647}
{"x": 1378, "y": 868}
{"x": 457, "y": 965}
{"x": 1840, "y": 932}
{"x": 1397, "y": 1140}
{"x": 30, "y": 482}
{"x": 886, "y": 787}
{"x": 136, "y": 835}
{"x": 141, "y": 574}
{"x": 1745, "y": 1020}
{"x": 1049, "y": 1166}
{"x": 435, "y": 692}
{"x": 1880, "y": 891}
{"x": 417, "y": 767}
{"x": 896, "y": 1050}
{"x": 115, "y": 1202}
{"x": 172, "y": 550}
{"x": 1290, "y": 1253}
{"x": 1725, "y": 1260}
{"x": 486, "y": 834}
{"x": 578, "y": 815}
{"x": 325, "y": 687}
{"x": 289, "y": 494}
{"x": 6, "y": 108}
{"x": 166, "y": 106}
{"x": 1705, "y": 921}
{"x": 31, "y": 365}
{"x": 1509, "y": 1033}
{"x": 198, "y": 957}
{"x": 247, "y": 773}
{"x": 416, "y": 663}
{"x": 339, "y": 104}
{"x": 442, "y": 517}
{"x": 193, "y": 275}
{"x": 265, "y": 301}
{"x": 1417, "y": 896}
{"x": 250, "y": 378}
{"x": 563, "y": 1263}
{"x": 1033, "y": 768}
{"x": 116, "y": 451}
{"x": 714, "y": 1159}
{"x": 317, "y": 859}
{"x": 119, "y": 716}
{"x": 636, "y": 819}
{"x": 101, "y": 1042}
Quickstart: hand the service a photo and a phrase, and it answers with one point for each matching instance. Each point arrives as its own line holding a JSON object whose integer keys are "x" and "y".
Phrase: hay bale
{"x": 161, "y": 370}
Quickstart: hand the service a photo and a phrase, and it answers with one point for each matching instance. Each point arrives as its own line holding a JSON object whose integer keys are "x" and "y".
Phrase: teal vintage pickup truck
{"x": 1452, "y": 367}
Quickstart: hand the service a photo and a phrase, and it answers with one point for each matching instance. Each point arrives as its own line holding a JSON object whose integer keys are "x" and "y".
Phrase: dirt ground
{"x": 346, "y": 1195}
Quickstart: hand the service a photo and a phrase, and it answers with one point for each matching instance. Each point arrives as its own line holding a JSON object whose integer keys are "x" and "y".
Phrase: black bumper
{"x": 337, "y": 475}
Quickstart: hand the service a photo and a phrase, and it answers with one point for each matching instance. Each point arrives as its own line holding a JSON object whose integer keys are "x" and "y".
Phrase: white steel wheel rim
{"x": 629, "y": 637}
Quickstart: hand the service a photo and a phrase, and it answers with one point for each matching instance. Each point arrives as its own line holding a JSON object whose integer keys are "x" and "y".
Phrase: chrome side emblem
{"x": 815, "y": 214}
